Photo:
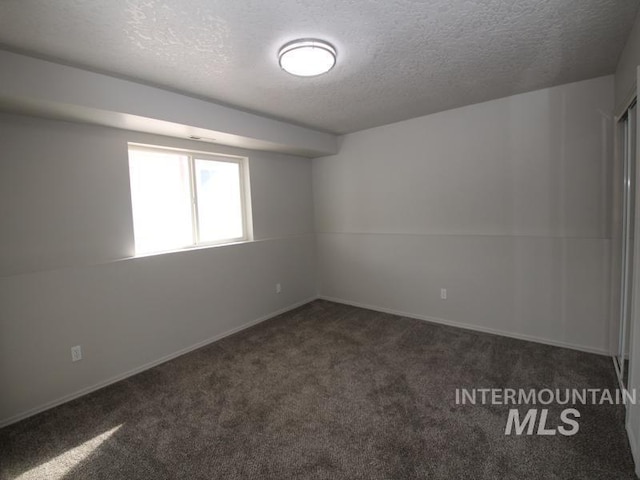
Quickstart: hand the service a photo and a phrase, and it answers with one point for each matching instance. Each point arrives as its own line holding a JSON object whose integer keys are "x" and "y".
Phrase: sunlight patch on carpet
{"x": 59, "y": 466}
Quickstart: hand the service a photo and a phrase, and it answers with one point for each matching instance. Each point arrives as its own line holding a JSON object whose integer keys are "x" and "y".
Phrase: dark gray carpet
{"x": 327, "y": 391}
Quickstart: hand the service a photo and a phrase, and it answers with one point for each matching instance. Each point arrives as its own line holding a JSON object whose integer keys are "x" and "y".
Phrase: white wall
{"x": 65, "y": 279}
{"x": 41, "y": 88}
{"x": 503, "y": 203}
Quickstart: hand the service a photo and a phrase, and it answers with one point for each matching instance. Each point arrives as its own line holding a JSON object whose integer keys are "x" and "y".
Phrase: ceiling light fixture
{"x": 307, "y": 57}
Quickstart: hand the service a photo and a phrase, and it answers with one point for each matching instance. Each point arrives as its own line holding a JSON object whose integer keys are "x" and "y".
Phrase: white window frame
{"x": 245, "y": 200}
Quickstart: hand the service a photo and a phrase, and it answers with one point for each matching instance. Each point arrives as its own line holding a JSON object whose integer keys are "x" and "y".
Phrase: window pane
{"x": 161, "y": 200}
{"x": 219, "y": 200}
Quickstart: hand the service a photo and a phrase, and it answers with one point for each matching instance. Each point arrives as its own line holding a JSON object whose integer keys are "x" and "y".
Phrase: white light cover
{"x": 307, "y": 58}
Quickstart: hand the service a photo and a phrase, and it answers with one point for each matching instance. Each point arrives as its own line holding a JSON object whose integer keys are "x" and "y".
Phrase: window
{"x": 184, "y": 199}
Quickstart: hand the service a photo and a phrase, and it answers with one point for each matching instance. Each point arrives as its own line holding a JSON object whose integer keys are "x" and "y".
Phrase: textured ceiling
{"x": 397, "y": 59}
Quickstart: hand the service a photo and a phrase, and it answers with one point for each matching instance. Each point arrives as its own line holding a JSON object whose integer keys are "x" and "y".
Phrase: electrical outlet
{"x": 278, "y": 288}
{"x": 443, "y": 293}
{"x": 76, "y": 353}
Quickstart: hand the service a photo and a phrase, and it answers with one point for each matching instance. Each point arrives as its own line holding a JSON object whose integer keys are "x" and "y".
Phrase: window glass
{"x": 219, "y": 200}
{"x": 160, "y": 200}
{"x": 180, "y": 199}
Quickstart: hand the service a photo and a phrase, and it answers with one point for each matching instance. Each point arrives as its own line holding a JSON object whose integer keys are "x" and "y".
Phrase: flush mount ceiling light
{"x": 307, "y": 57}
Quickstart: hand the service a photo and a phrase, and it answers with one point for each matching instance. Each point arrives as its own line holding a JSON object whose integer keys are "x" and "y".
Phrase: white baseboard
{"x": 147, "y": 366}
{"x": 468, "y": 326}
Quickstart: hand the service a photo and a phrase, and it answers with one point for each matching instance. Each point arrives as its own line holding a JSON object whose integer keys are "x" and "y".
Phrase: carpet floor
{"x": 328, "y": 391}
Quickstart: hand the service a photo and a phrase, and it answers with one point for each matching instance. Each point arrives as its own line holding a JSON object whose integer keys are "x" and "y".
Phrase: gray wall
{"x": 503, "y": 203}
{"x": 626, "y": 70}
{"x": 66, "y": 277}
{"x": 626, "y": 83}
{"x": 625, "y": 89}
{"x": 626, "y": 86}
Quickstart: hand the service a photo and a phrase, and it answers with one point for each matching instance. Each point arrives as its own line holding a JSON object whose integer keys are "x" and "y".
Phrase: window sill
{"x": 202, "y": 246}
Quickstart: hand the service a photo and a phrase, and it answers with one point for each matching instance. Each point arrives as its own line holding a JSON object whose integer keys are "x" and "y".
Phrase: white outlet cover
{"x": 76, "y": 353}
